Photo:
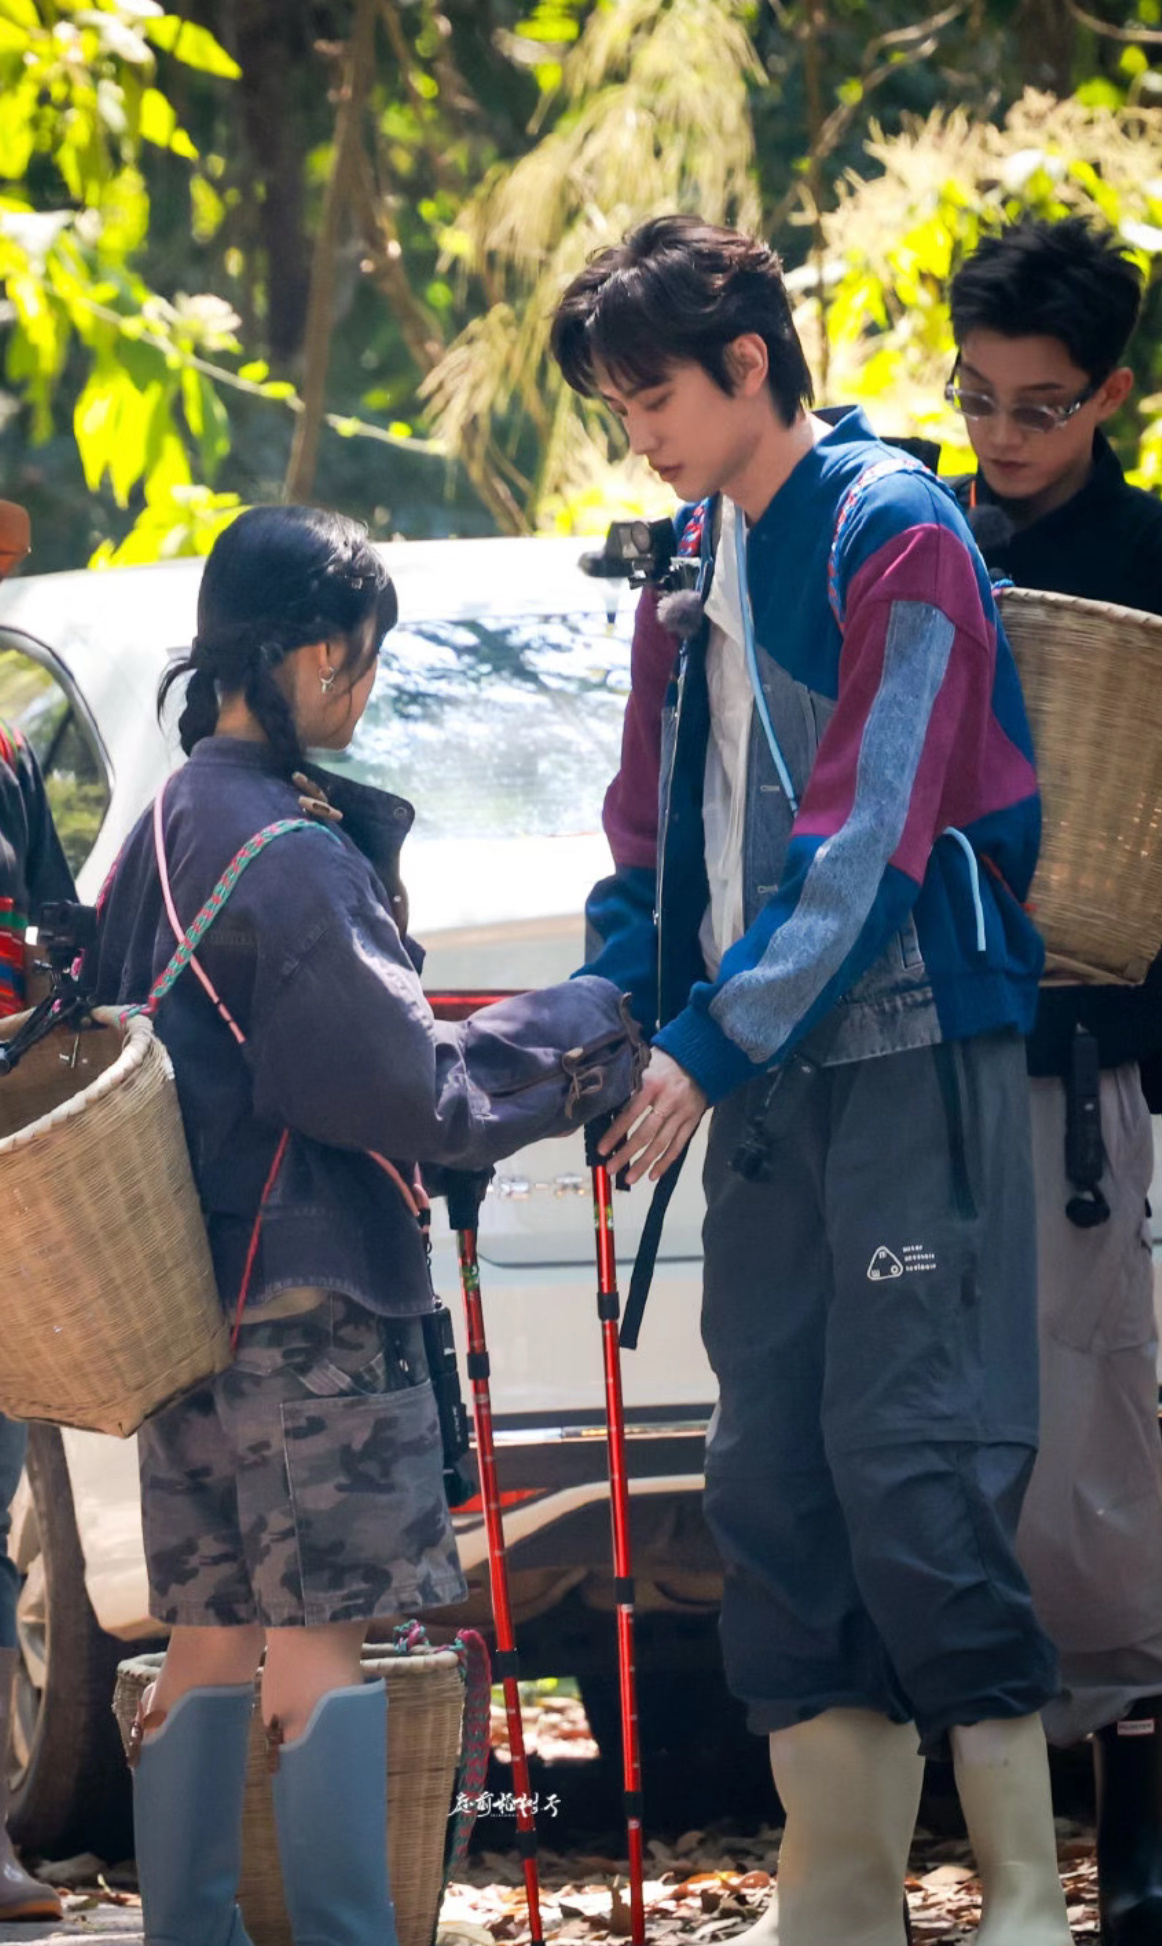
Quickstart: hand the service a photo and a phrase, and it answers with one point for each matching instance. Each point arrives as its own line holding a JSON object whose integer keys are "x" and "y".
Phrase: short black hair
{"x": 1071, "y": 280}
{"x": 677, "y": 289}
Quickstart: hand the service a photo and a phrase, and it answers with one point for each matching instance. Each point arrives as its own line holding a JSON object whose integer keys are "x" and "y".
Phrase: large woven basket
{"x": 1092, "y": 677}
{"x": 424, "y": 1709}
{"x": 108, "y": 1306}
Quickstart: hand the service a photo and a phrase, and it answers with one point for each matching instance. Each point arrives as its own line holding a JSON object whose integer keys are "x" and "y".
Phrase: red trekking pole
{"x": 608, "y": 1311}
{"x": 464, "y": 1194}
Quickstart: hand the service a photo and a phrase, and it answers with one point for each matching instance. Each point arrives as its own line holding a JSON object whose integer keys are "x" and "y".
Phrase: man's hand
{"x": 656, "y": 1122}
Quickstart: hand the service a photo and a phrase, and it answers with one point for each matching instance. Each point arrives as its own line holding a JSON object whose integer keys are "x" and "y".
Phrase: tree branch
{"x": 358, "y": 68}
{"x": 915, "y": 43}
{"x": 176, "y": 355}
{"x": 1150, "y": 35}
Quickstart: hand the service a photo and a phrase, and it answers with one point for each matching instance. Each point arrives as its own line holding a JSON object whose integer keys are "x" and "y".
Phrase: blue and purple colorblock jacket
{"x": 890, "y": 906}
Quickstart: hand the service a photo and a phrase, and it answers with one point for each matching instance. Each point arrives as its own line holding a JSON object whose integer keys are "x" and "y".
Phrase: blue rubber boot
{"x": 189, "y": 1776}
{"x": 330, "y": 1803}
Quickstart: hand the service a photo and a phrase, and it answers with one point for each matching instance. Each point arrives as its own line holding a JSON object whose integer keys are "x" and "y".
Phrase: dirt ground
{"x": 703, "y": 1884}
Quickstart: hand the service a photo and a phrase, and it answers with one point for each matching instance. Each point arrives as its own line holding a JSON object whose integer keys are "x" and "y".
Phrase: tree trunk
{"x": 356, "y": 72}
{"x": 1046, "y": 43}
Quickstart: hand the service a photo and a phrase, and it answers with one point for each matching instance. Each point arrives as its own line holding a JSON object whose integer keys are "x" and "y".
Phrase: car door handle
{"x": 518, "y": 1188}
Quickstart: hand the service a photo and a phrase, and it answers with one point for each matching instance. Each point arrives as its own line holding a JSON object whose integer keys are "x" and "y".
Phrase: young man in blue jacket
{"x": 1042, "y": 314}
{"x": 32, "y": 871}
{"x": 822, "y": 928}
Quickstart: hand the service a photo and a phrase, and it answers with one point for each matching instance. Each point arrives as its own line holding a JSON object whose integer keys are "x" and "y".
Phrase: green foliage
{"x": 194, "y": 46}
{"x": 78, "y": 100}
{"x": 631, "y": 137}
{"x": 180, "y": 520}
{"x": 500, "y": 141}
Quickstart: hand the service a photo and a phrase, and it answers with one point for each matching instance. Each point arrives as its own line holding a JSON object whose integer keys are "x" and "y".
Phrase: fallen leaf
{"x": 948, "y": 1875}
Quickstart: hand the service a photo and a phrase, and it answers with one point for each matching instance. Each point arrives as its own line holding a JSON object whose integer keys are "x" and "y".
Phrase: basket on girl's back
{"x": 299, "y": 1494}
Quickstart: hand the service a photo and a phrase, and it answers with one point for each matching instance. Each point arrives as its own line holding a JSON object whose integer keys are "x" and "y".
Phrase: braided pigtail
{"x": 199, "y": 717}
{"x": 270, "y": 706}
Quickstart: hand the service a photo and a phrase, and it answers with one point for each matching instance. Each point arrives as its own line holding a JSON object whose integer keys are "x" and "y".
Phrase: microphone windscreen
{"x": 991, "y": 529}
{"x": 681, "y": 612}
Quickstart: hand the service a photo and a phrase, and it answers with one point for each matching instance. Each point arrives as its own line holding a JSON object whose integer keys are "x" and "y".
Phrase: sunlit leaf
{"x": 109, "y": 411}
{"x": 207, "y": 209}
{"x": 1099, "y": 93}
{"x": 207, "y": 420}
{"x": 185, "y": 521}
{"x": 158, "y": 118}
{"x": 166, "y": 461}
{"x": 17, "y": 133}
{"x": 194, "y": 45}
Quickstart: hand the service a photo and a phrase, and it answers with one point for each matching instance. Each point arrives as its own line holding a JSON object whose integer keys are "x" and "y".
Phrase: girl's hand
{"x": 656, "y": 1123}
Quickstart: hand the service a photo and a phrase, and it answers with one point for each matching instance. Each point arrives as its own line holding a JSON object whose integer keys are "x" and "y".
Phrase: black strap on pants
{"x": 1084, "y": 1149}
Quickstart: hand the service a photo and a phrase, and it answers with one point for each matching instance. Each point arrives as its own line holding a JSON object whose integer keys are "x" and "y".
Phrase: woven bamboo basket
{"x": 108, "y": 1306}
{"x": 1092, "y": 678}
{"x": 425, "y": 1695}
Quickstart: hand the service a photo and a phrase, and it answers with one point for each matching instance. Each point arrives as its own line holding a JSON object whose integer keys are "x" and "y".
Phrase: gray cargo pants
{"x": 870, "y": 1314}
{"x": 1090, "y": 1538}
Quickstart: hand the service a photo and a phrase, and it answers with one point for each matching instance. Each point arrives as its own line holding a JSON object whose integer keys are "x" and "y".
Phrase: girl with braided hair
{"x": 299, "y": 1496}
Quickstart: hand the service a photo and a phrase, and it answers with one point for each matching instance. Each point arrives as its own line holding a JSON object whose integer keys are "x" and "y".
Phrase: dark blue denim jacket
{"x": 341, "y": 1046}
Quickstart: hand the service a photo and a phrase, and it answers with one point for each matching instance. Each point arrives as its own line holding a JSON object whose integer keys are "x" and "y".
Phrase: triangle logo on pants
{"x": 884, "y": 1265}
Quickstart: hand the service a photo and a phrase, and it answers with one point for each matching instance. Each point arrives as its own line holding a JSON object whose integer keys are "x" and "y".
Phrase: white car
{"x": 498, "y": 712}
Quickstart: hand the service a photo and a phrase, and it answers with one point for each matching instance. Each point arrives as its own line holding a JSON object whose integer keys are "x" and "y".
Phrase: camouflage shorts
{"x": 305, "y": 1484}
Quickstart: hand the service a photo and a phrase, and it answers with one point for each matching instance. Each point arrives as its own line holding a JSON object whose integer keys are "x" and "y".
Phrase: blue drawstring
{"x": 950, "y": 831}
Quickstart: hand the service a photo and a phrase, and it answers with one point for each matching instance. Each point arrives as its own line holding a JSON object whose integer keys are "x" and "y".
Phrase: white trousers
{"x": 1090, "y": 1538}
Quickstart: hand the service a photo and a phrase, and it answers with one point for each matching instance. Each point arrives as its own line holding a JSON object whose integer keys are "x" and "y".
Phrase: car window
{"x": 498, "y": 728}
{"x": 35, "y": 702}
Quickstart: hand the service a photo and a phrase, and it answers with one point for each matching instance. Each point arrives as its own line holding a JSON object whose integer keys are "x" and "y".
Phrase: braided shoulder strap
{"x": 184, "y": 954}
{"x": 878, "y": 470}
{"x": 472, "y": 1655}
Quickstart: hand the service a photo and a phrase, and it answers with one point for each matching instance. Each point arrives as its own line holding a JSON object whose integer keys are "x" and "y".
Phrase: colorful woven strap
{"x": 472, "y": 1655}
{"x": 471, "y": 1652}
{"x": 217, "y": 899}
{"x": 695, "y": 528}
{"x": 878, "y": 470}
{"x": 10, "y": 742}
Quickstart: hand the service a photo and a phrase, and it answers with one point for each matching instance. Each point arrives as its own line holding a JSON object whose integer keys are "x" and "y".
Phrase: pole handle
{"x": 465, "y": 1190}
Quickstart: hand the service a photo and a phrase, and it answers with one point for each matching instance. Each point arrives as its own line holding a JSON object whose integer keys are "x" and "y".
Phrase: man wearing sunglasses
{"x": 1041, "y": 316}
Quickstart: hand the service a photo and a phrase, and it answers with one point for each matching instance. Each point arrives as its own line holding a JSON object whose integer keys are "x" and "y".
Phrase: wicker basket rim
{"x": 1109, "y": 610}
{"x": 422, "y": 1656}
{"x": 138, "y": 1035}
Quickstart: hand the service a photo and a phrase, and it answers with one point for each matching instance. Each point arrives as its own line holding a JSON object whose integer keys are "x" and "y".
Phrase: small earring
{"x": 327, "y": 680}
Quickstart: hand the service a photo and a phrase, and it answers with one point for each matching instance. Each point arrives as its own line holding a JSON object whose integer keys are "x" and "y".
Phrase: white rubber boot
{"x": 1002, "y": 1777}
{"x": 850, "y": 1784}
{"x": 764, "y": 1931}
